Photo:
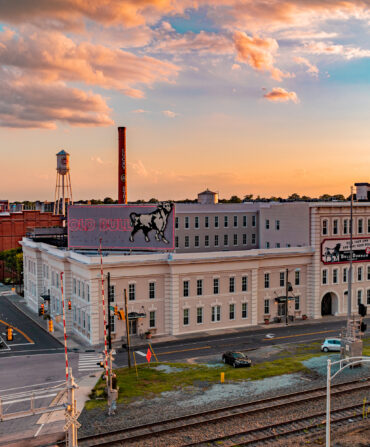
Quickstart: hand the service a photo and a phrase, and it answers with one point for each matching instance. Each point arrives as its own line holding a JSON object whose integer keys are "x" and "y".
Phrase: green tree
{"x": 13, "y": 261}
{"x": 153, "y": 200}
{"x": 108, "y": 200}
{"x": 248, "y": 197}
{"x": 235, "y": 199}
{"x": 294, "y": 196}
{"x": 325, "y": 197}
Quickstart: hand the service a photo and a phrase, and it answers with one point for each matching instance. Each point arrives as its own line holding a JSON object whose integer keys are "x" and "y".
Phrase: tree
{"x": 153, "y": 200}
{"x": 108, "y": 200}
{"x": 235, "y": 199}
{"x": 248, "y": 198}
{"x": 13, "y": 261}
{"x": 325, "y": 197}
{"x": 294, "y": 197}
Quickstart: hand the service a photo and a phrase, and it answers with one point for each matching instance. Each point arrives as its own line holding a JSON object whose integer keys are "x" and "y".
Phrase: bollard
{"x": 222, "y": 377}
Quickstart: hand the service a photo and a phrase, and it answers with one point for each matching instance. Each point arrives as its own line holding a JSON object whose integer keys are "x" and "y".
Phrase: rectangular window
{"x": 199, "y": 315}
{"x": 282, "y": 279}
{"x": 185, "y": 288}
{"x": 244, "y": 221}
{"x": 267, "y": 307}
{"x": 216, "y": 240}
{"x": 196, "y": 222}
{"x": 253, "y": 239}
{"x": 186, "y": 221}
{"x": 176, "y": 223}
{"x": 83, "y": 290}
{"x": 368, "y": 297}
{"x": 335, "y": 276}
{"x": 267, "y": 224}
{"x": 244, "y": 283}
{"x": 196, "y": 241}
{"x": 216, "y": 313}
{"x": 335, "y": 226}
{"x": 226, "y": 239}
{"x": 186, "y": 241}
{"x": 345, "y": 274}
{"x": 235, "y": 239}
{"x": 152, "y": 318}
{"x": 151, "y": 290}
{"x": 345, "y": 226}
{"x": 235, "y": 221}
{"x": 78, "y": 287}
{"x": 199, "y": 287}
{"x": 74, "y": 313}
{"x": 297, "y": 277}
{"x": 74, "y": 286}
{"x": 296, "y": 303}
{"x": 359, "y": 297}
{"x": 112, "y": 293}
{"x": 232, "y": 284}
{"x": 206, "y": 222}
{"x": 267, "y": 280}
{"x": 359, "y": 274}
{"x": 79, "y": 316}
{"x": 324, "y": 227}
{"x": 267, "y": 245}
{"x": 244, "y": 310}
{"x": 186, "y": 317}
{"x": 112, "y": 323}
{"x": 176, "y": 241}
{"x": 368, "y": 228}
{"x": 216, "y": 222}
{"x": 132, "y": 292}
{"x": 226, "y": 221}
{"x": 368, "y": 272}
{"x": 88, "y": 292}
{"x": 253, "y": 221}
{"x": 277, "y": 245}
{"x": 324, "y": 277}
{"x": 244, "y": 239}
{"x": 206, "y": 241}
{"x": 277, "y": 224}
{"x": 360, "y": 226}
{"x": 232, "y": 311}
{"x": 216, "y": 286}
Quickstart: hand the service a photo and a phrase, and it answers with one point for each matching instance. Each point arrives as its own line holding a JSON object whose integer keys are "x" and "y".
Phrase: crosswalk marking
{"x": 88, "y": 362}
{"x": 140, "y": 353}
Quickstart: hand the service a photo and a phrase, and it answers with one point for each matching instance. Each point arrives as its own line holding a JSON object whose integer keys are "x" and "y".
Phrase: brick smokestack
{"x": 122, "y": 178}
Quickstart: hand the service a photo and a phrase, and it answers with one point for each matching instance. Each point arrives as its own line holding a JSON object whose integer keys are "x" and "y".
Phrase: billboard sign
{"x": 144, "y": 227}
{"x": 337, "y": 251}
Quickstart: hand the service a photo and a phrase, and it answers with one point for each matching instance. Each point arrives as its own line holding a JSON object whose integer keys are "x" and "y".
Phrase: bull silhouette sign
{"x": 121, "y": 226}
{"x": 337, "y": 250}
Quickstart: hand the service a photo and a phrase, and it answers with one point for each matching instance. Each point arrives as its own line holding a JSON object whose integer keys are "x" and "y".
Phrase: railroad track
{"x": 173, "y": 425}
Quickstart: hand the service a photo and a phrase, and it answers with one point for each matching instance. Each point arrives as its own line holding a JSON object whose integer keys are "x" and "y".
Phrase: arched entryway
{"x": 329, "y": 304}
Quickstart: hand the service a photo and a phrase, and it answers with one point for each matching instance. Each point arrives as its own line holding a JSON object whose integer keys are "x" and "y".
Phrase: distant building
{"x": 362, "y": 191}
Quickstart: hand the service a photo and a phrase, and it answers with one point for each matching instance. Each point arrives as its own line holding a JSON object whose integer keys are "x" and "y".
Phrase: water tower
{"x": 63, "y": 187}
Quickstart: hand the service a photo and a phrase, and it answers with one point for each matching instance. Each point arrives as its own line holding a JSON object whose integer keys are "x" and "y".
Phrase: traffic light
{"x": 362, "y": 309}
{"x": 121, "y": 314}
{"x": 69, "y": 305}
{"x": 115, "y": 310}
{"x": 101, "y": 364}
{"x": 9, "y": 334}
{"x": 363, "y": 327}
{"x": 42, "y": 309}
{"x": 51, "y": 328}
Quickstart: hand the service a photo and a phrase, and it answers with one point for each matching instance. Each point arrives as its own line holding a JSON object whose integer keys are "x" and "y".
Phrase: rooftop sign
{"x": 337, "y": 251}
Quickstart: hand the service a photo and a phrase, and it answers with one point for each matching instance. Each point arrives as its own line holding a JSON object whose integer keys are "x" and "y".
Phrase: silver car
{"x": 331, "y": 344}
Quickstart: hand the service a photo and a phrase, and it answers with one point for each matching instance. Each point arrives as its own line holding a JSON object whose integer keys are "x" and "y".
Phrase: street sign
{"x": 111, "y": 308}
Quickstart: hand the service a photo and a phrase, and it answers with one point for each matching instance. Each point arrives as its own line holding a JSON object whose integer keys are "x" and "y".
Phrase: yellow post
{"x": 150, "y": 346}
{"x": 137, "y": 376}
{"x": 222, "y": 377}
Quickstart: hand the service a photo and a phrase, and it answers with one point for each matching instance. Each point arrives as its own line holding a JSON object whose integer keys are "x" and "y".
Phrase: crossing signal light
{"x": 42, "y": 309}
{"x": 69, "y": 305}
{"x": 121, "y": 315}
{"x": 115, "y": 310}
{"x": 51, "y": 328}
{"x": 363, "y": 327}
{"x": 9, "y": 334}
{"x": 362, "y": 309}
{"x": 101, "y": 364}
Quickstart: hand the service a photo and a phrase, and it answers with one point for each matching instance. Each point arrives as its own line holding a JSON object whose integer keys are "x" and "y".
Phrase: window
{"x": 359, "y": 297}
{"x": 79, "y": 315}
{"x": 253, "y": 239}
{"x": 216, "y": 240}
{"x": 131, "y": 292}
{"x": 176, "y": 241}
{"x": 335, "y": 276}
{"x": 296, "y": 303}
{"x": 206, "y": 241}
{"x": 368, "y": 297}
{"x": 206, "y": 222}
{"x": 345, "y": 226}
{"x": 216, "y": 286}
{"x": 87, "y": 292}
{"x": 345, "y": 274}
{"x": 368, "y": 230}
{"x": 244, "y": 310}
{"x": 78, "y": 287}
{"x": 267, "y": 280}
{"x": 277, "y": 245}
{"x": 226, "y": 221}
{"x": 196, "y": 241}
{"x": 232, "y": 311}
{"x": 335, "y": 226}
{"x": 253, "y": 221}
{"x": 216, "y": 221}
{"x": 216, "y": 313}
{"x": 151, "y": 290}
{"x": 196, "y": 222}
{"x": 187, "y": 241}
{"x": 74, "y": 313}
{"x": 232, "y": 284}
{"x": 199, "y": 287}
{"x": 112, "y": 293}
{"x": 185, "y": 288}
{"x": 359, "y": 274}
{"x": 152, "y": 318}
{"x": 74, "y": 286}
{"x": 267, "y": 244}
{"x": 244, "y": 283}
{"x": 186, "y": 317}
{"x": 360, "y": 226}
{"x": 176, "y": 222}
{"x": 267, "y": 224}
{"x": 235, "y": 221}
{"x": 324, "y": 278}
{"x": 244, "y": 239}
{"x": 324, "y": 227}
{"x": 186, "y": 221}
{"x": 368, "y": 272}
{"x": 267, "y": 306}
{"x": 199, "y": 315}
{"x": 235, "y": 239}
{"x": 277, "y": 224}
{"x": 282, "y": 279}
{"x": 244, "y": 221}
{"x": 297, "y": 277}
{"x": 112, "y": 323}
{"x": 226, "y": 239}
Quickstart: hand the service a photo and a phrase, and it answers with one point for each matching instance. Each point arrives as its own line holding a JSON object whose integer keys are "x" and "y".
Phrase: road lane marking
{"x": 34, "y": 350}
{"x": 34, "y": 384}
{"x": 38, "y": 431}
{"x": 14, "y": 401}
{"x": 184, "y": 350}
{"x": 18, "y": 330}
{"x": 302, "y": 335}
{"x": 140, "y": 353}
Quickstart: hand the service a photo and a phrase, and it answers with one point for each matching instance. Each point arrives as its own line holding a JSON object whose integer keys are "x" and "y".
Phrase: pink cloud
{"x": 340, "y": 50}
{"x": 279, "y": 94}
{"x": 312, "y": 69}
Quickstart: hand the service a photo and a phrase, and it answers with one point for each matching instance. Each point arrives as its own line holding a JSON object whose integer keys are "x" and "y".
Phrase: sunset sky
{"x": 241, "y": 96}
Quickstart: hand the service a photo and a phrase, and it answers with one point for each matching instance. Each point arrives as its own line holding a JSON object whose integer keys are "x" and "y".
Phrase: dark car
{"x": 236, "y": 359}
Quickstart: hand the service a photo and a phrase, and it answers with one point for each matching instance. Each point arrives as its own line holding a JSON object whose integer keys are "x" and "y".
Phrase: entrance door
{"x": 326, "y": 305}
{"x": 281, "y": 309}
{"x": 133, "y": 327}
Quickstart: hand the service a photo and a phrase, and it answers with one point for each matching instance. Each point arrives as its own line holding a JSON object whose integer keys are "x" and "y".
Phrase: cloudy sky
{"x": 241, "y": 96}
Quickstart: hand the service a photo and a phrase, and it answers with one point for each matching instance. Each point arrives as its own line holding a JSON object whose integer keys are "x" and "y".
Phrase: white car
{"x": 331, "y": 344}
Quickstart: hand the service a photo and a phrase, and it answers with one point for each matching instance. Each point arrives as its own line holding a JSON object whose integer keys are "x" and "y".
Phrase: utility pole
{"x": 127, "y": 332}
{"x": 286, "y": 296}
{"x": 109, "y": 318}
{"x": 349, "y": 310}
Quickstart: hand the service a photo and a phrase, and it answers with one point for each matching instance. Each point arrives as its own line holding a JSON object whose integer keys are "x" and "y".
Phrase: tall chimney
{"x": 122, "y": 179}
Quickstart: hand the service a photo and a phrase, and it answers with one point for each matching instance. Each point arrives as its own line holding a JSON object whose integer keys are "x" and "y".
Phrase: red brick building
{"x": 13, "y": 226}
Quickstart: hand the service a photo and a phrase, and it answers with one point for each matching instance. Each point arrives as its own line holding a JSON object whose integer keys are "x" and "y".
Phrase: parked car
{"x": 331, "y": 344}
{"x": 236, "y": 359}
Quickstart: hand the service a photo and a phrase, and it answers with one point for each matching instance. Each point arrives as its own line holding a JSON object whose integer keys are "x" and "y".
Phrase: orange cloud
{"x": 312, "y": 69}
{"x": 258, "y": 53}
{"x": 341, "y": 50}
{"x": 279, "y": 94}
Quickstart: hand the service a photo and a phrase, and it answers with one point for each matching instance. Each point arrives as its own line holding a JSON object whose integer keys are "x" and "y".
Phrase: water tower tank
{"x": 63, "y": 162}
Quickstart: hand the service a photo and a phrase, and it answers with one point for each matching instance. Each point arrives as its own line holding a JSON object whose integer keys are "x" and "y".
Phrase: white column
{"x": 171, "y": 303}
{"x": 96, "y": 323}
{"x": 254, "y": 296}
